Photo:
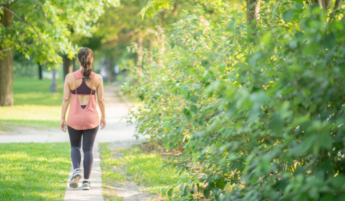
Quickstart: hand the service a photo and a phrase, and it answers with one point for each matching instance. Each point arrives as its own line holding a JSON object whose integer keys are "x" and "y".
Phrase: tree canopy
{"x": 43, "y": 27}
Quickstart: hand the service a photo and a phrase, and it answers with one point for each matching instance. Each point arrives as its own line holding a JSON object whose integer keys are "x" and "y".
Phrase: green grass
{"x": 143, "y": 167}
{"x": 107, "y": 162}
{"x": 34, "y": 171}
{"x": 146, "y": 167}
{"x": 34, "y": 105}
{"x": 31, "y": 91}
{"x": 109, "y": 177}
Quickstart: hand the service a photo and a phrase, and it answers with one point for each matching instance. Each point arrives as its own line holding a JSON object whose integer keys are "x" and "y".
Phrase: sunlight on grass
{"x": 30, "y": 112}
{"x": 144, "y": 168}
{"x": 34, "y": 105}
{"x": 109, "y": 177}
{"x": 31, "y": 91}
{"x": 147, "y": 168}
{"x": 107, "y": 162}
{"x": 34, "y": 171}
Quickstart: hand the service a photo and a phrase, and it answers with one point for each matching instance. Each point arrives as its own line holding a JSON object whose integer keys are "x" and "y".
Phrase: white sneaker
{"x": 86, "y": 185}
{"x": 75, "y": 178}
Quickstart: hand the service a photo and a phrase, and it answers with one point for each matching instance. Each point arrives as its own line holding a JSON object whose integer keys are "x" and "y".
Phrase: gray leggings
{"x": 88, "y": 140}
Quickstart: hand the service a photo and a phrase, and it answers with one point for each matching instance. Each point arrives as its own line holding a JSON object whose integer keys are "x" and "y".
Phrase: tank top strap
{"x": 92, "y": 76}
{"x": 76, "y": 76}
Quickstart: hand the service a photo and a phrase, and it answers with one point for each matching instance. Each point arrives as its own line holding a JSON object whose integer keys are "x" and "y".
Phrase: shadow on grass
{"x": 11, "y": 124}
{"x": 34, "y": 171}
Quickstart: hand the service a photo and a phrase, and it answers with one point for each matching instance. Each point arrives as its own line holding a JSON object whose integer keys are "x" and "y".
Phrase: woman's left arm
{"x": 65, "y": 101}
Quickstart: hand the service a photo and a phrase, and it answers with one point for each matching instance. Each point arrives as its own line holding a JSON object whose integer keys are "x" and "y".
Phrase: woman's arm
{"x": 65, "y": 101}
{"x": 100, "y": 99}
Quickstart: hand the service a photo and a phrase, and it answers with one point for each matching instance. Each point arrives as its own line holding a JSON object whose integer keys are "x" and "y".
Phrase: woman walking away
{"x": 83, "y": 120}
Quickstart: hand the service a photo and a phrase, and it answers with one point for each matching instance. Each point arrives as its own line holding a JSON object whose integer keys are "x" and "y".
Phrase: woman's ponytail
{"x": 85, "y": 57}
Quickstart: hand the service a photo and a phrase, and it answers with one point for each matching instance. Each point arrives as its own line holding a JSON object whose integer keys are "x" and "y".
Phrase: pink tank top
{"x": 79, "y": 118}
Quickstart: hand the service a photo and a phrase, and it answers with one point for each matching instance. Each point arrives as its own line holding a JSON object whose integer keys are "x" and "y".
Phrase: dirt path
{"x": 128, "y": 190}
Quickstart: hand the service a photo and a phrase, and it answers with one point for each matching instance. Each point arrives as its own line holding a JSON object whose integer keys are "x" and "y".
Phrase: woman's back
{"x": 84, "y": 86}
{"x": 83, "y": 112}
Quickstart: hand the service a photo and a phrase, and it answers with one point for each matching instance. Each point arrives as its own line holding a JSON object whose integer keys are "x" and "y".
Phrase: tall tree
{"x": 6, "y": 63}
{"x": 121, "y": 26}
{"x": 39, "y": 71}
{"x": 66, "y": 65}
{"x": 43, "y": 31}
{"x": 253, "y": 15}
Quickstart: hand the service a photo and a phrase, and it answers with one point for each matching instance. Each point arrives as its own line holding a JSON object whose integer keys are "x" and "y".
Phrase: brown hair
{"x": 85, "y": 57}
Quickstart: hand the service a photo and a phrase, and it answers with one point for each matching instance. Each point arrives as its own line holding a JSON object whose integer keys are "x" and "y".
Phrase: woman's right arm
{"x": 100, "y": 99}
{"x": 65, "y": 101}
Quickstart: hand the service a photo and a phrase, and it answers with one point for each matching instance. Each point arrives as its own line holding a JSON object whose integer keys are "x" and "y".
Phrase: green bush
{"x": 257, "y": 122}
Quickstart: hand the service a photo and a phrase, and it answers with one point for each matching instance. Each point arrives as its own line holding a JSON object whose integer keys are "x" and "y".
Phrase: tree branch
{"x": 9, "y": 10}
{"x": 9, "y": 3}
{"x": 7, "y": 49}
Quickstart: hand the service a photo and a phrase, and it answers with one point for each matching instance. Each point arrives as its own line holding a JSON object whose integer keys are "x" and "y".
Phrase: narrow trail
{"x": 128, "y": 189}
{"x": 117, "y": 132}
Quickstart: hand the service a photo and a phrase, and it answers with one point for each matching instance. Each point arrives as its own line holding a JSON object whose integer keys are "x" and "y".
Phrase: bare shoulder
{"x": 69, "y": 77}
{"x": 99, "y": 78}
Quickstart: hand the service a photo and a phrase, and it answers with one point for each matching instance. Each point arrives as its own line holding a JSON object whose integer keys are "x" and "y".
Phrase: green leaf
{"x": 207, "y": 193}
{"x": 287, "y": 15}
{"x": 194, "y": 99}
{"x": 194, "y": 109}
{"x": 184, "y": 92}
{"x": 328, "y": 40}
{"x": 277, "y": 123}
{"x": 181, "y": 187}
{"x": 338, "y": 181}
{"x": 170, "y": 192}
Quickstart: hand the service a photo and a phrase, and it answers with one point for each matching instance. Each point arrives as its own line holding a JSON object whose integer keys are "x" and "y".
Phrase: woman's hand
{"x": 103, "y": 123}
{"x": 63, "y": 125}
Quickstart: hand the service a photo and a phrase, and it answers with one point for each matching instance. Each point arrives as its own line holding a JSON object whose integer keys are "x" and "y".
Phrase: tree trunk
{"x": 253, "y": 13}
{"x": 53, "y": 85}
{"x": 67, "y": 66}
{"x": 337, "y": 4}
{"x": 6, "y": 63}
{"x": 176, "y": 8}
{"x": 73, "y": 64}
{"x": 140, "y": 54}
{"x": 325, "y": 4}
{"x": 39, "y": 71}
{"x": 151, "y": 49}
{"x": 26, "y": 67}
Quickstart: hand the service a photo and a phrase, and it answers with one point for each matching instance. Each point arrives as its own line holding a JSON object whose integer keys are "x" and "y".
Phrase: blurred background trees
{"x": 42, "y": 29}
{"x": 42, "y": 35}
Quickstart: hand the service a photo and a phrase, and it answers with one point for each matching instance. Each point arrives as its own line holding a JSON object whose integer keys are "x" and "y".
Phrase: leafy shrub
{"x": 260, "y": 122}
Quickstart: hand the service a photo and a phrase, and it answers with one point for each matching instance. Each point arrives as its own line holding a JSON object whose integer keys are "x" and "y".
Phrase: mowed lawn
{"x": 34, "y": 105}
{"x": 34, "y": 171}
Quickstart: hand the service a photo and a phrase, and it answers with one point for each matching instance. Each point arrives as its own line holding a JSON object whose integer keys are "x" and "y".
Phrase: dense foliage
{"x": 43, "y": 27}
{"x": 256, "y": 122}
